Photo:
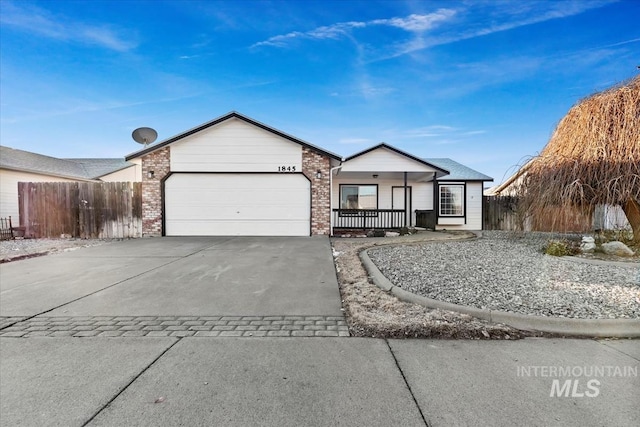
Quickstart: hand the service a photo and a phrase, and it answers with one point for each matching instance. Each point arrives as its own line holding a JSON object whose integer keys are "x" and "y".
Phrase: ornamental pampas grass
{"x": 593, "y": 157}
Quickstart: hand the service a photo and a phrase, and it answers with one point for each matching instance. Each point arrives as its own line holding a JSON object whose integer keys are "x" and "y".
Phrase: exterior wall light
{"x": 318, "y": 174}
{"x": 150, "y": 174}
{"x": 375, "y": 175}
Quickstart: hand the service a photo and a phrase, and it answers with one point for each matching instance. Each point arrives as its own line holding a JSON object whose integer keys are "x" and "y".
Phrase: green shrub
{"x": 621, "y": 235}
{"x": 561, "y": 248}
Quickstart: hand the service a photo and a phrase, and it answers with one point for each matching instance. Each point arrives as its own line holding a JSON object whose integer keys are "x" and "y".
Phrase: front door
{"x": 397, "y": 201}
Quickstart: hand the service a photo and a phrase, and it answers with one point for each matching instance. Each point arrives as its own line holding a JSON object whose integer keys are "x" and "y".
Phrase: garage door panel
{"x": 247, "y": 213}
{"x": 237, "y": 204}
{"x": 247, "y": 228}
{"x": 266, "y": 197}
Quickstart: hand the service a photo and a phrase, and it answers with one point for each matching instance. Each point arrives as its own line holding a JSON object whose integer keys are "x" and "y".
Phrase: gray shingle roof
{"x": 85, "y": 169}
{"x": 458, "y": 171}
{"x": 99, "y": 167}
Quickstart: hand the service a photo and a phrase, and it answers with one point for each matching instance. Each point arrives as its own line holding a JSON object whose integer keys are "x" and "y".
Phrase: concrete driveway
{"x": 227, "y": 331}
{"x": 177, "y": 276}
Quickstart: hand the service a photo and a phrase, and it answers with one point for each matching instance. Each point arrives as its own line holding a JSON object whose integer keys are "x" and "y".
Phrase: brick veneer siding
{"x": 159, "y": 162}
{"x": 312, "y": 162}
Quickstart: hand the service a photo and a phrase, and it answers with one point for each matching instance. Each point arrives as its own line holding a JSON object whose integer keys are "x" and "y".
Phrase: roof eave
{"x": 115, "y": 170}
{"x": 37, "y": 172}
{"x": 232, "y": 114}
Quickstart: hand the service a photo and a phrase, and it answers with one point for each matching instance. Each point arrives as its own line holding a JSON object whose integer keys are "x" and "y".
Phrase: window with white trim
{"x": 451, "y": 202}
{"x": 358, "y": 197}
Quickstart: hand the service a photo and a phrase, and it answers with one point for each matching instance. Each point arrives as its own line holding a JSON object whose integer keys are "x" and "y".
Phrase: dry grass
{"x": 593, "y": 157}
{"x": 372, "y": 312}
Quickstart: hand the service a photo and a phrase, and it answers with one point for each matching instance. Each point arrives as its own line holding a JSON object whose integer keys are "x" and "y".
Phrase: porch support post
{"x": 406, "y": 207}
{"x": 331, "y": 220}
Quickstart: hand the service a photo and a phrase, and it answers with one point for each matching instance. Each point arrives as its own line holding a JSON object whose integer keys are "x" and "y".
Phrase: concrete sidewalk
{"x": 315, "y": 381}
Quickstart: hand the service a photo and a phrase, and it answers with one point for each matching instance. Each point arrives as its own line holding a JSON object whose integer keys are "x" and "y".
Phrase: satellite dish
{"x": 144, "y": 136}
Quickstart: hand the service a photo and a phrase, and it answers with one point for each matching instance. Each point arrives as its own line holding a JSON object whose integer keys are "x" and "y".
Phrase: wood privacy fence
{"x": 87, "y": 210}
{"x": 501, "y": 213}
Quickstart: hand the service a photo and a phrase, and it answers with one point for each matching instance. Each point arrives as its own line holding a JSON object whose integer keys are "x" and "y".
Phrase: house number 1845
{"x": 286, "y": 168}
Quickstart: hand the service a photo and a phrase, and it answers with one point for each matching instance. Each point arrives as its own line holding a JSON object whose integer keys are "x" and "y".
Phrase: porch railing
{"x": 368, "y": 218}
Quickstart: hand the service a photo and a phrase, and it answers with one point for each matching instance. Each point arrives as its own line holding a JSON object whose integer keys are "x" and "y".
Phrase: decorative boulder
{"x": 391, "y": 234}
{"x": 588, "y": 244}
{"x": 617, "y": 248}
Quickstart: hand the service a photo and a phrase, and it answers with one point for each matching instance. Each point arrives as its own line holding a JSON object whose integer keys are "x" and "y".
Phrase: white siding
{"x": 130, "y": 174}
{"x": 421, "y": 192}
{"x": 384, "y": 160}
{"x": 235, "y": 146}
{"x": 610, "y": 217}
{"x": 237, "y": 204}
{"x": 473, "y": 202}
{"x": 9, "y": 190}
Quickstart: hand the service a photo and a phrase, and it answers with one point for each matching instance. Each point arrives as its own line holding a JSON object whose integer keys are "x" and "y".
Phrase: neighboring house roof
{"x": 81, "y": 169}
{"x": 507, "y": 183}
{"x": 100, "y": 167}
{"x": 443, "y": 170}
{"x": 232, "y": 114}
{"x": 457, "y": 171}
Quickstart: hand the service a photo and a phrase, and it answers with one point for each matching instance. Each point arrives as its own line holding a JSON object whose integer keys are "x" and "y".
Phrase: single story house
{"x": 24, "y": 166}
{"x": 236, "y": 176}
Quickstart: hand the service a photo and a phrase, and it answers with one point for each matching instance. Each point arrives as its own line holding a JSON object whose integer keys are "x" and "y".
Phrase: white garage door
{"x": 237, "y": 205}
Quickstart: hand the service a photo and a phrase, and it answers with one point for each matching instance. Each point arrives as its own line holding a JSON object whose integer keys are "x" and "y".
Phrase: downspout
{"x": 331, "y": 197}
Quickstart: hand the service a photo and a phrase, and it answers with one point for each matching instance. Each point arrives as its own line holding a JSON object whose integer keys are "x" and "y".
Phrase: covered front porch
{"x": 382, "y": 200}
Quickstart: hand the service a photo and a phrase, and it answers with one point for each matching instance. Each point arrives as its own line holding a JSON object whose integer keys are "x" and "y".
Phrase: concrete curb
{"x": 601, "y": 328}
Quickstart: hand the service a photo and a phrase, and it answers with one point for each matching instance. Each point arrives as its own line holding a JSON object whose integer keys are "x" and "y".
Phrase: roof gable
{"x": 384, "y": 157}
{"x": 221, "y": 119}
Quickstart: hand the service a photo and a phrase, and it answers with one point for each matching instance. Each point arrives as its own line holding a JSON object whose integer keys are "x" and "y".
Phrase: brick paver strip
{"x": 175, "y": 326}
{"x": 183, "y": 333}
{"x": 158, "y": 333}
{"x": 230, "y": 334}
{"x": 207, "y": 334}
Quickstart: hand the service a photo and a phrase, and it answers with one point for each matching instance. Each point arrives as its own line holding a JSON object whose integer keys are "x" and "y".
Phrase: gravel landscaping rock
{"x": 372, "y": 312}
{"x": 11, "y": 250}
{"x": 501, "y": 271}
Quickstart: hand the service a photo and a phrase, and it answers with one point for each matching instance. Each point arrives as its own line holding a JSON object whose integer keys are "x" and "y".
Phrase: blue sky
{"x": 481, "y": 82}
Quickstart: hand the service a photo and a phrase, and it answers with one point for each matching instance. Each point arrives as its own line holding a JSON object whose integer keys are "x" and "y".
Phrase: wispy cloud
{"x": 76, "y": 106}
{"x": 40, "y": 22}
{"x": 503, "y": 19}
{"x": 436, "y": 134}
{"x": 429, "y": 131}
{"x": 418, "y": 23}
{"x": 445, "y": 25}
{"x": 411, "y": 23}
